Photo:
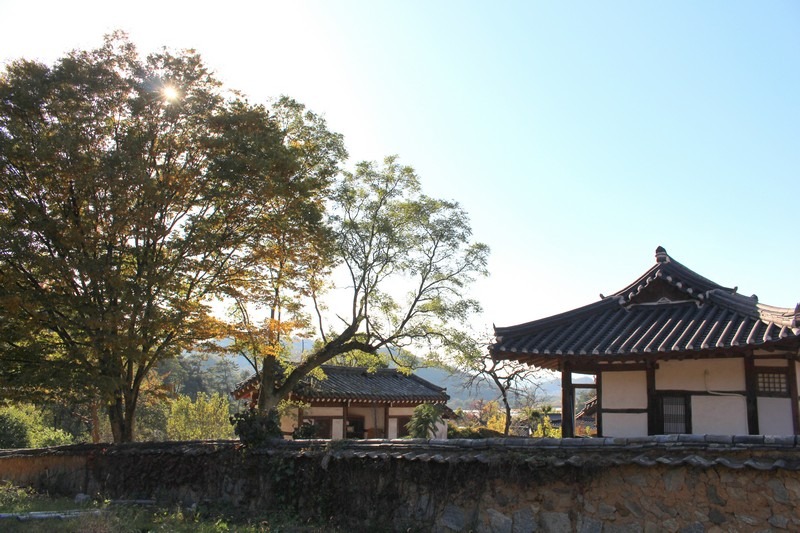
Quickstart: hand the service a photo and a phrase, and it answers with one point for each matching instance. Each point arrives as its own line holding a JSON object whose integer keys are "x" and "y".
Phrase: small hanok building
{"x": 355, "y": 403}
{"x": 673, "y": 352}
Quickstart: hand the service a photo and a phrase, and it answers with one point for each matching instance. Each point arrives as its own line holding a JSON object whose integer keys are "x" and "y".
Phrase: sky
{"x": 578, "y": 136}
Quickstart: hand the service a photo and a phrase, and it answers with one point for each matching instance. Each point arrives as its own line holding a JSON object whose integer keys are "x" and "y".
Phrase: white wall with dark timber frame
{"x": 703, "y": 396}
{"x": 622, "y": 393}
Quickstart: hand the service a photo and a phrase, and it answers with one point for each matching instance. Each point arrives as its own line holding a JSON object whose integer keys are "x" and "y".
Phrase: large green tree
{"x": 133, "y": 191}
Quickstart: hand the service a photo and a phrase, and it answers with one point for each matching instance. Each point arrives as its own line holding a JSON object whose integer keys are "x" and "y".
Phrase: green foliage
{"x": 125, "y": 210}
{"x": 207, "y": 518}
{"x": 152, "y": 418}
{"x": 475, "y": 432}
{"x": 255, "y": 429}
{"x": 546, "y": 429}
{"x": 191, "y": 374}
{"x": 206, "y": 417}
{"x": 410, "y": 261}
{"x": 13, "y": 431}
{"x": 23, "y": 426}
{"x": 424, "y": 420}
{"x": 540, "y": 423}
{"x": 14, "y": 499}
{"x": 134, "y": 191}
{"x": 306, "y": 430}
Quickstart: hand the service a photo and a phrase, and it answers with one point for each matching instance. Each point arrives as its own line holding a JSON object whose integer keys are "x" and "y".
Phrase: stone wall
{"x": 676, "y": 483}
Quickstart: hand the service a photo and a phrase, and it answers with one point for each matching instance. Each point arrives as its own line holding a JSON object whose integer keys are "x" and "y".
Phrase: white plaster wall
{"x": 624, "y": 390}
{"x": 701, "y": 375}
{"x": 719, "y": 415}
{"x": 624, "y": 424}
{"x": 337, "y": 428}
{"x": 401, "y": 411}
{"x": 441, "y": 430}
{"x": 775, "y": 416}
{"x": 392, "y": 431}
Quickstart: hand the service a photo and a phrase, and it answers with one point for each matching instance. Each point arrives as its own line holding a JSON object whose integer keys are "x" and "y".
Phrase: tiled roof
{"x": 358, "y": 384}
{"x": 670, "y": 311}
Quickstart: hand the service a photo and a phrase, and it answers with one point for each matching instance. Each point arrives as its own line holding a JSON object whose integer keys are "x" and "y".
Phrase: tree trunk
{"x": 267, "y": 397}
{"x": 121, "y": 417}
{"x": 508, "y": 415}
{"x": 94, "y": 421}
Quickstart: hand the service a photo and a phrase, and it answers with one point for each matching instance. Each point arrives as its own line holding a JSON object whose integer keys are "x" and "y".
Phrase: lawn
{"x": 24, "y": 510}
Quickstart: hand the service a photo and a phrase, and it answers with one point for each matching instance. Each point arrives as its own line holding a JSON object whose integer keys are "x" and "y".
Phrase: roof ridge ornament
{"x": 661, "y": 255}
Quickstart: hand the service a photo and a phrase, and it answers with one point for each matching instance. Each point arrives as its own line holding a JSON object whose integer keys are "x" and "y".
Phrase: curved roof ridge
{"x": 674, "y": 273}
{"x": 749, "y": 306}
{"x": 710, "y": 319}
{"x": 783, "y": 316}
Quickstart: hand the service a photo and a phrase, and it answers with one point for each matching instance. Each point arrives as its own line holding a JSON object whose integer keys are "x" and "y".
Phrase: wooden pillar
{"x": 567, "y": 401}
{"x": 751, "y": 386}
{"x": 599, "y": 413}
{"x": 652, "y": 403}
{"x": 793, "y": 395}
{"x": 345, "y": 415}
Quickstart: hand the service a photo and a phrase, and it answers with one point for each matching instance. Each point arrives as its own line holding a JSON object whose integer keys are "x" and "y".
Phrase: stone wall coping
{"x": 761, "y": 452}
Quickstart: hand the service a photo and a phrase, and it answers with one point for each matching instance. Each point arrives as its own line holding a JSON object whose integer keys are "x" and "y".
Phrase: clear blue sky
{"x": 578, "y": 137}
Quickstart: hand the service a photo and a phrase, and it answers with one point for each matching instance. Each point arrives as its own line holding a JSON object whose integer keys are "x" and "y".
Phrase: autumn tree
{"x": 133, "y": 191}
{"x": 403, "y": 262}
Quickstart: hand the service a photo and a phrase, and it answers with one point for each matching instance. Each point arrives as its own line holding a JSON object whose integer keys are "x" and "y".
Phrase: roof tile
{"x": 668, "y": 310}
{"x": 356, "y": 383}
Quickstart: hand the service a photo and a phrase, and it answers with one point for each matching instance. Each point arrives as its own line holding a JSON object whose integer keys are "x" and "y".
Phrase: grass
{"x": 104, "y": 517}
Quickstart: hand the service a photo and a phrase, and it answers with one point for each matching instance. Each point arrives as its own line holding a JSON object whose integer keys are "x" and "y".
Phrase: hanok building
{"x": 353, "y": 403}
{"x": 673, "y": 352}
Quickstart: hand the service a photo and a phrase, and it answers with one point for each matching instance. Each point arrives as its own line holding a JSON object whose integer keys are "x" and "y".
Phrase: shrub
{"x": 205, "y": 418}
{"x": 424, "y": 420}
{"x": 13, "y": 433}
{"x": 307, "y": 430}
{"x": 454, "y": 432}
{"x": 256, "y": 429}
{"x": 23, "y": 426}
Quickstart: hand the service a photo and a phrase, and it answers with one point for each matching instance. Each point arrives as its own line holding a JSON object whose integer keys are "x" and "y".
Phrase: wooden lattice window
{"x": 772, "y": 383}
{"x": 675, "y": 415}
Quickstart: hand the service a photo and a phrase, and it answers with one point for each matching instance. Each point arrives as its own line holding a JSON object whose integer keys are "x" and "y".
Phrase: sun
{"x": 170, "y": 93}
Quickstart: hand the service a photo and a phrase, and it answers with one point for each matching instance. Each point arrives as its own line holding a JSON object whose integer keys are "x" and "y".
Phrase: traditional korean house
{"x": 352, "y": 402}
{"x": 673, "y": 352}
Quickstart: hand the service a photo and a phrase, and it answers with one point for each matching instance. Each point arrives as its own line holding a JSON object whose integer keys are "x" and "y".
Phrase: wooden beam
{"x": 345, "y": 415}
{"x": 793, "y": 395}
{"x": 652, "y": 401}
{"x": 599, "y": 416}
{"x": 751, "y": 385}
{"x": 567, "y": 401}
